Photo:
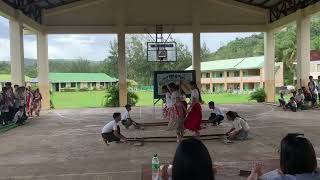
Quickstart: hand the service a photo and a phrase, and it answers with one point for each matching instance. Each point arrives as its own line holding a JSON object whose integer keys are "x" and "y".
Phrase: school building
{"x": 242, "y": 74}
{"x": 7, "y": 78}
{"x": 60, "y": 82}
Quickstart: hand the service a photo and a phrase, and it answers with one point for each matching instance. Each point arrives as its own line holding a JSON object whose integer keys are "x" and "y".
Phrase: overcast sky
{"x": 94, "y": 47}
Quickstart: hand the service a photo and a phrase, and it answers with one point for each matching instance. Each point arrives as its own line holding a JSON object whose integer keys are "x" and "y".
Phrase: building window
{"x": 318, "y": 67}
{"x": 89, "y": 85}
{"x": 217, "y": 74}
{"x": 102, "y": 84}
{"x": 208, "y": 87}
{"x": 73, "y": 85}
{"x": 207, "y": 75}
{"x": 228, "y": 74}
{"x": 236, "y": 73}
{"x": 245, "y": 73}
{"x": 63, "y": 85}
{"x": 94, "y": 84}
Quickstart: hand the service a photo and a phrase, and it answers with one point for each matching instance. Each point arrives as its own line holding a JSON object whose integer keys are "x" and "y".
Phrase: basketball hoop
{"x": 160, "y": 50}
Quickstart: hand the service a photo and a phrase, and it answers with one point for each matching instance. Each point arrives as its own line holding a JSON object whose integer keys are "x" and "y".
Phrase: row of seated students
{"x": 192, "y": 161}
{"x": 299, "y": 100}
{"x": 17, "y": 103}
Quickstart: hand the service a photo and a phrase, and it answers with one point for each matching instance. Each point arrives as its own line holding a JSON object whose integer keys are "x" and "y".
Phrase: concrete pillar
{"x": 225, "y": 85}
{"x": 17, "y": 52}
{"x": 196, "y": 60}
{"x": 241, "y": 80}
{"x": 269, "y": 58}
{"x": 43, "y": 69}
{"x": 211, "y": 87}
{"x": 303, "y": 50}
{"x": 122, "y": 69}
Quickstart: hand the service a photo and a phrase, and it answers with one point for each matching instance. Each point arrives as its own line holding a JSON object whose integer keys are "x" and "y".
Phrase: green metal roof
{"x": 80, "y": 77}
{"x": 229, "y": 64}
{"x": 7, "y": 78}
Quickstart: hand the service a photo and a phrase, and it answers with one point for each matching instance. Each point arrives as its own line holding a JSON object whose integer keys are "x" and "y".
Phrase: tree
{"x": 110, "y": 64}
{"x": 204, "y": 52}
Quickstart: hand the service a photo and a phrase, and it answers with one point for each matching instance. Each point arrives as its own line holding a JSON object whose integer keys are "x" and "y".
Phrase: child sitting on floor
{"x": 292, "y": 105}
{"x": 126, "y": 118}
{"x": 20, "y": 117}
{"x": 282, "y": 101}
{"x": 111, "y": 131}
{"x": 299, "y": 98}
{"x": 240, "y": 128}
{"x": 217, "y": 115}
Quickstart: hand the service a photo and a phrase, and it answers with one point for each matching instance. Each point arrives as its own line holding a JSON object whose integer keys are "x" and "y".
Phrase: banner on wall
{"x": 181, "y": 78}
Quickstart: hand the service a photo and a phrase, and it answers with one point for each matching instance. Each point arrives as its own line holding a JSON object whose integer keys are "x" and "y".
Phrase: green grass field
{"x": 91, "y": 99}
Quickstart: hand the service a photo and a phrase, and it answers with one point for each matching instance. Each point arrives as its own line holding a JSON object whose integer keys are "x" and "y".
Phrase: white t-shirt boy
{"x": 126, "y": 116}
{"x": 218, "y": 111}
{"x": 239, "y": 124}
{"x": 111, "y": 126}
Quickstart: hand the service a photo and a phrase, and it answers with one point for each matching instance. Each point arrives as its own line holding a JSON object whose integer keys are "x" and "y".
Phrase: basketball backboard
{"x": 161, "y": 51}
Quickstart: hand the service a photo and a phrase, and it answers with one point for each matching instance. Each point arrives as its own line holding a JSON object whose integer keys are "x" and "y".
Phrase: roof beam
{"x": 150, "y": 28}
{"x": 11, "y": 13}
{"x": 71, "y": 6}
{"x": 308, "y": 11}
{"x": 242, "y": 6}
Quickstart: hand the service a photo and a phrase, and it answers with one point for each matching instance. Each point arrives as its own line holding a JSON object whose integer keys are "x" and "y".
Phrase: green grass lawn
{"x": 90, "y": 99}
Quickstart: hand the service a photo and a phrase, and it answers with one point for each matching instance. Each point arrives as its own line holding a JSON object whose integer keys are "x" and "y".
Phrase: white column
{"x": 122, "y": 69}
{"x": 196, "y": 60}
{"x": 269, "y": 58}
{"x": 303, "y": 50}
{"x": 43, "y": 69}
{"x": 17, "y": 52}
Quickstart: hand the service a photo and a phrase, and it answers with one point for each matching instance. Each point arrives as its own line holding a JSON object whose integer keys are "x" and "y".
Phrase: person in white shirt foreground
{"x": 297, "y": 161}
{"x": 240, "y": 128}
{"x": 111, "y": 131}
{"x": 126, "y": 118}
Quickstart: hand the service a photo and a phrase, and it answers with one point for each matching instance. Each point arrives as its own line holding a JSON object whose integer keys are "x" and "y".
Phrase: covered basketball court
{"x": 121, "y": 17}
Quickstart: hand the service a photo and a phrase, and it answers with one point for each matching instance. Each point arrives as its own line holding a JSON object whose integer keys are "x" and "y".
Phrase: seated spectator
{"x": 299, "y": 98}
{"x": 292, "y": 105}
{"x": 282, "y": 101}
{"x": 297, "y": 161}
{"x": 192, "y": 161}
{"x": 19, "y": 117}
{"x": 217, "y": 115}
{"x": 240, "y": 128}
{"x": 308, "y": 97}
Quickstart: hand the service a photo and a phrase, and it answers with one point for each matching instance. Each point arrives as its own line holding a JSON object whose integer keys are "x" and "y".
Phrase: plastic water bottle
{"x": 155, "y": 167}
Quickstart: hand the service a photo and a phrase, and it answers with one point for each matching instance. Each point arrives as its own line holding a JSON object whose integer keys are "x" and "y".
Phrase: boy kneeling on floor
{"x": 126, "y": 118}
{"x": 20, "y": 117}
{"x": 240, "y": 128}
{"x": 111, "y": 131}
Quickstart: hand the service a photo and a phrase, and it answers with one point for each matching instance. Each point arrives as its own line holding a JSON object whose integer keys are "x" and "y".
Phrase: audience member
{"x": 4, "y": 107}
{"x": 308, "y": 97}
{"x": 20, "y": 117}
{"x": 192, "y": 161}
{"x": 313, "y": 88}
{"x": 299, "y": 98}
{"x": 292, "y": 105}
{"x": 282, "y": 101}
{"x": 297, "y": 161}
{"x": 36, "y": 103}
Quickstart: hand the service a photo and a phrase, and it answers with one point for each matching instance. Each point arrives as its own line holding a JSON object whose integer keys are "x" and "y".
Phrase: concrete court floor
{"x": 67, "y": 145}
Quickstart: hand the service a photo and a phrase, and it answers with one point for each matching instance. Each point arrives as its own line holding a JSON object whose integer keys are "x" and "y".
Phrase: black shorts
{"x": 110, "y": 137}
